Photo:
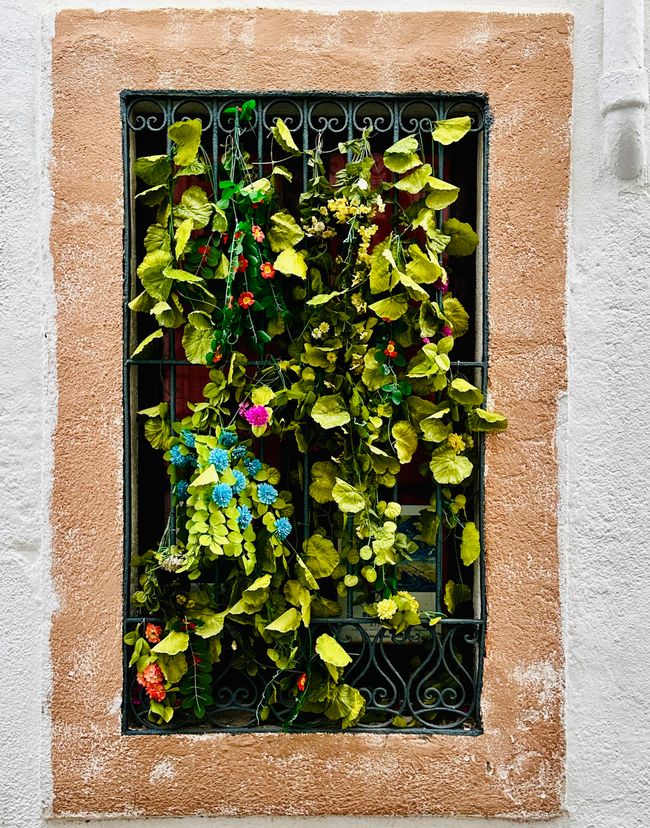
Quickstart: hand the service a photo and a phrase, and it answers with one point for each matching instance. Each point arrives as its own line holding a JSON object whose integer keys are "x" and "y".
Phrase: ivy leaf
{"x": 481, "y": 420}
{"x": 347, "y": 704}
{"x": 463, "y": 239}
{"x": 415, "y": 181}
{"x": 175, "y": 642}
{"x": 331, "y": 652}
{"x": 449, "y": 467}
{"x": 150, "y": 271}
{"x": 197, "y": 340}
{"x": 321, "y": 557}
{"x": 157, "y": 238}
{"x": 392, "y": 307}
{"x": 153, "y": 169}
{"x": 464, "y": 392}
{"x": 456, "y": 315}
{"x": 451, "y": 129}
{"x": 330, "y": 412}
{"x": 442, "y": 194}
{"x": 292, "y": 263}
{"x": 470, "y": 544}
{"x": 187, "y": 137}
{"x": 288, "y": 621}
{"x": 146, "y": 342}
{"x": 406, "y": 440}
{"x": 174, "y": 667}
{"x": 284, "y": 138}
{"x": 347, "y": 497}
{"x": 456, "y": 594}
{"x": 182, "y": 236}
{"x": 402, "y": 156}
{"x": 323, "y": 478}
{"x": 373, "y": 375}
{"x": 434, "y": 429}
{"x": 194, "y": 204}
{"x": 284, "y": 231}
{"x": 421, "y": 269}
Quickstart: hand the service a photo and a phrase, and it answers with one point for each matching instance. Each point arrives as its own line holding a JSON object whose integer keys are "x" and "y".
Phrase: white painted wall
{"x": 603, "y": 438}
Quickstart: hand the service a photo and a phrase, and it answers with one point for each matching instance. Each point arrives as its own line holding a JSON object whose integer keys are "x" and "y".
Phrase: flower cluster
{"x": 152, "y": 679}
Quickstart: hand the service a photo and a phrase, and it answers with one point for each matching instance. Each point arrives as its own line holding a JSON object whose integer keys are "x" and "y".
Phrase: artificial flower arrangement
{"x": 323, "y": 330}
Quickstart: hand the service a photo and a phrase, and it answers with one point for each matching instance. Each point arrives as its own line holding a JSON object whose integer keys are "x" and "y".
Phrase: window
{"x": 423, "y": 678}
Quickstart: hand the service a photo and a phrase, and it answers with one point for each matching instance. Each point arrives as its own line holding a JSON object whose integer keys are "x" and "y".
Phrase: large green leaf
{"x": 392, "y": 307}
{"x": 421, "y": 268}
{"x": 150, "y": 271}
{"x": 331, "y": 652}
{"x": 406, "y": 440}
{"x": 481, "y": 420}
{"x": 197, "y": 341}
{"x": 169, "y": 314}
{"x": 321, "y": 556}
{"x": 284, "y": 138}
{"x": 142, "y": 303}
{"x": 464, "y": 392}
{"x": 441, "y": 194}
{"x": 414, "y": 290}
{"x": 180, "y": 275}
{"x": 182, "y": 236}
{"x": 463, "y": 239}
{"x": 284, "y": 231}
{"x": 323, "y": 478}
{"x": 470, "y": 544}
{"x": 347, "y": 704}
{"x": 456, "y": 315}
{"x": 415, "y": 181}
{"x": 373, "y": 376}
{"x": 153, "y": 169}
{"x": 212, "y": 623}
{"x": 174, "y": 667}
{"x": 402, "y": 156}
{"x": 451, "y": 129}
{"x": 456, "y": 594}
{"x": 194, "y": 204}
{"x": 173, "y": 643}
{"x": 187, "y": 137}
{"x": 330, "y": 412}
{"x": 146, "y": 342}
{"x": 449, "y": 467}
{"x": 157, "y": 238}
{"x": 347, "y": 497}
{"x": 288, "y": 621}
{"x": 292, "y": 263}
{"x": 434, "y": 429}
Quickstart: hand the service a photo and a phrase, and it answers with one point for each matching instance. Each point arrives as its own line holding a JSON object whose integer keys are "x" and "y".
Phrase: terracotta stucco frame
{"x": 523, "y": 64}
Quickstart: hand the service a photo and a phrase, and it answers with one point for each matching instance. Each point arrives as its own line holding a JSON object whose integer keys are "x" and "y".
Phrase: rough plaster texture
{"x": 601, "y": 439}
{"x": 516, "y": 767}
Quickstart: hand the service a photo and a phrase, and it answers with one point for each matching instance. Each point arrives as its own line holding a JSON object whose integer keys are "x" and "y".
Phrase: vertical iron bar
{"x": 306, "y": 466}
{"x": 171, "y": 343}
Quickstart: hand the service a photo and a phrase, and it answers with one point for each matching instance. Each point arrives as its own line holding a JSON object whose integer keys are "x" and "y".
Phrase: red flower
{"x": 152, "y": 633}
{"x": 258, "y": 233}
{"x": 390, "y": 350}
{"x": 302, "y": 683}
{"x": 386, "y": 319}
{"x": 224, "y": 238}
{"x": 218, "y": 356}
{"x": 267, "y": 271}
{"x": 246, "y": 300}
{"x": 243, "y": 263}
{"x": 204, "y": 250}
{"x": 197, "y": 660}
{"x": 156, "y": 692}
{"x": 238, "y": 234}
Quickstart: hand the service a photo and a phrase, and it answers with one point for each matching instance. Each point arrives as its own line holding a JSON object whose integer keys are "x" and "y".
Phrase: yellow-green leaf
{"x": 402, "y": 156}
{"x": 150, "y": 271}
{"x": 323, "y": 478}
{"x": 321, "y": 557}
{"x": 331, "y": 652}
{"x": 470, "y": 544}
{"x": 288, "y": 621}
{"x": 456, "y": 315}
{"x": 481, "y": 420}
{"x": 464, "y": 392}
{"x": 449, "y": 467}
{"x": 406, "y": 440}
{"x": 182, "y": 235}
{"x": 284, "y": 138}
{"x": 207, "y": 477}
{"x": 194, "y": 205}
{"x": 415, "y": 181}
{"x": 153, "y": 169}
{"x": 421, "y": 268}
{"x": 463, "y": 239}
{"x": 456, "y": 594}
{"x": 175, "y": 642}
{"x": 347, "y": 497}
{"x": 451, "y": 129}
{"x": 292, "y": 263}
{"x": 392, "y": 307}
{"x": 187, "y": 137}
{"x": 284, "y": 231}
{"x": 174, "y": 667}
{"x": 146, "y": 342}
{"x": 441, "y": 194}
{"x": 330, "y": 412}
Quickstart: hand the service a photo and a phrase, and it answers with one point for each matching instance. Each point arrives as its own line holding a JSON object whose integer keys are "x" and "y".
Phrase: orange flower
{"x": 267, "y": 271}
{"x": 152, "y": 633}
{"x": 152, "y": 674}
{"x": 258, "y": 233}
{"x": 156, "y": 692}
{"x": 302, "y": 683}
{"x": 231, "y": 300}
{"x": 243, "y": 263}
{"x": 218, "y": 356}
{"x": 246, "y": 300}
{"x": 390, "y": 350}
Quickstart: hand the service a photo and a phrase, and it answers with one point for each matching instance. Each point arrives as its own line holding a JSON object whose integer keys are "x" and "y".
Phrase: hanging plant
{"x": 322, "y": 329}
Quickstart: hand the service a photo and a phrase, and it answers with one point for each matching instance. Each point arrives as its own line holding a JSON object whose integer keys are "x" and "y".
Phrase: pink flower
{"x": 257, "y": 415}
{"x": 447, "y": 331}
{"x": 426, "y": 340}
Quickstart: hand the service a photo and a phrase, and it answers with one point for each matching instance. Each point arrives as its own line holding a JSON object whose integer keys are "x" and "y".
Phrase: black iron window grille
{"x": 426, "y": 678}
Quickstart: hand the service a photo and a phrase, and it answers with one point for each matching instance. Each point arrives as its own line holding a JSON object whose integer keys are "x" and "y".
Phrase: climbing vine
{"x": 328, "y": 329}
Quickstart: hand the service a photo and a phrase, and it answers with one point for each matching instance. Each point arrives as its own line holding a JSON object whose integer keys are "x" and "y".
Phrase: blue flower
{"x": 219, "y": 458}
{"x": 222, "y": 494}
{"x": 228, "y": 439}
{"x": 178, "y": 458}
{"x": 240, "y": 485}
{"x": 181, "y": 489}
{"x": 283, "y": 528}
{"x": 188, "y": 438}
{"x": 253, "y": 466}
{"x": 245, "y": 517}
{"x": 238, "y": 452}
{"x": 267, "y": 494}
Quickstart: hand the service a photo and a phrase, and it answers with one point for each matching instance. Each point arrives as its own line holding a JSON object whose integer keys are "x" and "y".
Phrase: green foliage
{"x": 332, "y": 335}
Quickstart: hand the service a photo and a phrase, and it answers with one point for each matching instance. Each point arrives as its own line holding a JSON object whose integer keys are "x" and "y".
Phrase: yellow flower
{"x": 386, "y": 608}
{"x": 456, "y": 442}
{"x": 413, "y": 603}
